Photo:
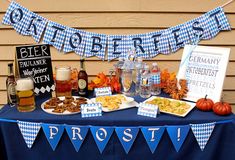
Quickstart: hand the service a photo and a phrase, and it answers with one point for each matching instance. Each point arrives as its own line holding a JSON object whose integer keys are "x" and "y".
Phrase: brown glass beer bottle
{"x": 11, "y": 86}
{"x": 82, "y": 80}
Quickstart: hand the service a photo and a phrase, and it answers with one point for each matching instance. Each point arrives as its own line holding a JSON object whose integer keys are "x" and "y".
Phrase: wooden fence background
{"x": 118, "y": 17}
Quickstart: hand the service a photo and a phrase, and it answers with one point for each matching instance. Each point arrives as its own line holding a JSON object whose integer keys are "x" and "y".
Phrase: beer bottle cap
{"x": 10, "y": 64}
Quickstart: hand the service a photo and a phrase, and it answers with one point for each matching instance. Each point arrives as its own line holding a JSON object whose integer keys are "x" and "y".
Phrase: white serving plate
{"x": 192, "y": 105}
{"x": 65, "y": 112}
{"x": 130, "y": 103}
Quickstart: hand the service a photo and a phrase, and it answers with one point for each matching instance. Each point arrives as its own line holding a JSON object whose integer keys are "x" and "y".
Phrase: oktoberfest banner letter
{"x": 15, "y": 16}
{"x": 53, "y": 133}
{"x": 101, "y": 135}
{"x": 126, "y": 136}
{"x": 77, "y": 135}
{"x": 153, "y": 136}
{"x": 177, "y": 135}
{"x": 55, "y": 35}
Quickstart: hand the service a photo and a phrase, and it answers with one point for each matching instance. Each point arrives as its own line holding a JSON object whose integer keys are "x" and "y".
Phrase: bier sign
{"x": 205, "y": 70}
{"x": 35, "y": 61}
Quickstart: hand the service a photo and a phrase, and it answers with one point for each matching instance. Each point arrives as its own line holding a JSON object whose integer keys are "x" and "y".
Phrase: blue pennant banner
{"x": 153, "y": 135}
{"x": 195, "y": 33}
{"x": 217, "y": 21}
{"x": 53, "y": 133}
{"x": 34, "y": 25}
{"x": 118, "y": 46}
{"x": 29, "y": 131}
{"x": 126, "y": 136}
{"x": 154, "y": 44}
{"x": 141, "y": 43}
{"x": 55, "y": 35}
{"x": 16, "y": 16}
{"x": 163, "y": 44}
{"x": 202, "y": 133}
{"x": 95, "y": 45}
{"x": 77, "y": 135}
{"x": 147, "y": 45}
{"x": 101, "y": 135}
{"x": 177, "y": 135}
{"x": 178, "y": 37}
{"x": 74, "y": 41}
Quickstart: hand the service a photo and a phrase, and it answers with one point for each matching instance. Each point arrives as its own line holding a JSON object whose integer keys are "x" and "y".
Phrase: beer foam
{"x": 24, "y": 84}
{"x": 63, "y": 74}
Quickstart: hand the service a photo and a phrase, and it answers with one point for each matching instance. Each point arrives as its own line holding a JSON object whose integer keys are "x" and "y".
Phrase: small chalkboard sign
{"x": 35, "y": 61}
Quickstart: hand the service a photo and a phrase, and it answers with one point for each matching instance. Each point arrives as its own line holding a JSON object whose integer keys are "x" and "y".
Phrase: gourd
{"x": 204, "y": 104}
{"x": 222, "y": 108}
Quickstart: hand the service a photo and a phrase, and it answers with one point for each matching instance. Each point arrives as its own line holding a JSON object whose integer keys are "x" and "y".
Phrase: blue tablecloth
{"x": 12, "y": 146}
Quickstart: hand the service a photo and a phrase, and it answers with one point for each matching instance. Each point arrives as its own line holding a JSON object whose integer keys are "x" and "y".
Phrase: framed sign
{"x": 205, "y": 70}
{"x": 35, "y": 61}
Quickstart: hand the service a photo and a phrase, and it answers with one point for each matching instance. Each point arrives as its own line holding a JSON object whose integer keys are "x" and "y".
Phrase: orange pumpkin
{"x": 204, "y": 104}
{"x": 222, "y": 108}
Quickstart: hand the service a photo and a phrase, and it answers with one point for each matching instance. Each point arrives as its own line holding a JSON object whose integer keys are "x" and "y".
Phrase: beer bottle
{"x": 11, "y": 86}
{"x": 82, "y": 80}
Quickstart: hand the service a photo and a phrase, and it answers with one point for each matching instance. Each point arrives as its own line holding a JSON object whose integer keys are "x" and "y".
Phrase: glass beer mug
{"x": 25, "y": 94}
{"x": 63, "y": 82}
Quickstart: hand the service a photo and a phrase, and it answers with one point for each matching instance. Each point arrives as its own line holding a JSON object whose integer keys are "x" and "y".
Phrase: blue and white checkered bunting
{"x": 202, "y": 23}
{"x": 223, "y": 21}
{"x": 82, "y": 44}
{"x": 147, "y": 110}
{"x": 202, "y": 133}
{"x": 163, "y": 44}
{"x": 58, "y": 39}
{"x": 78, "y": 42}
{"x": 6, "y": 18}
{"x": 91, "y": 110}
{"x": 18, "y": 17}
{"x": 100, "y": 51}
{"x": 81, "y": 49}
{"x": 40, "y": 25}
{"x": 145, "y": 44}
{"x": 29, "y": 131}
{"x": 123, "y": 47}
{"x": 212, "y": 24}
{"x": 193, "y": 36}
{"x": 154, "y": 50}
{"x": 183, "y": 37}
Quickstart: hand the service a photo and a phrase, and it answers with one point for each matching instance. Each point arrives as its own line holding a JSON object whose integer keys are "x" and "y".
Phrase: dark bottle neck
{"x": 10, "y": 70}
{"x": 82, "y": 66}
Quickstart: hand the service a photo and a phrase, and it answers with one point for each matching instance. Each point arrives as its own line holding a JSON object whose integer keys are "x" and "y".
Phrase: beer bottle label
{"x": 145, "y": 81}
{"x": 11, "y": 91}
{"x": 82, "y": 84}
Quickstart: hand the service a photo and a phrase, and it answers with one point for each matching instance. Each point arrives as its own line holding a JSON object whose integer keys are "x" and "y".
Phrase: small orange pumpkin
{"x": 222, "y": 108}
{"x": 204, "y": 104}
